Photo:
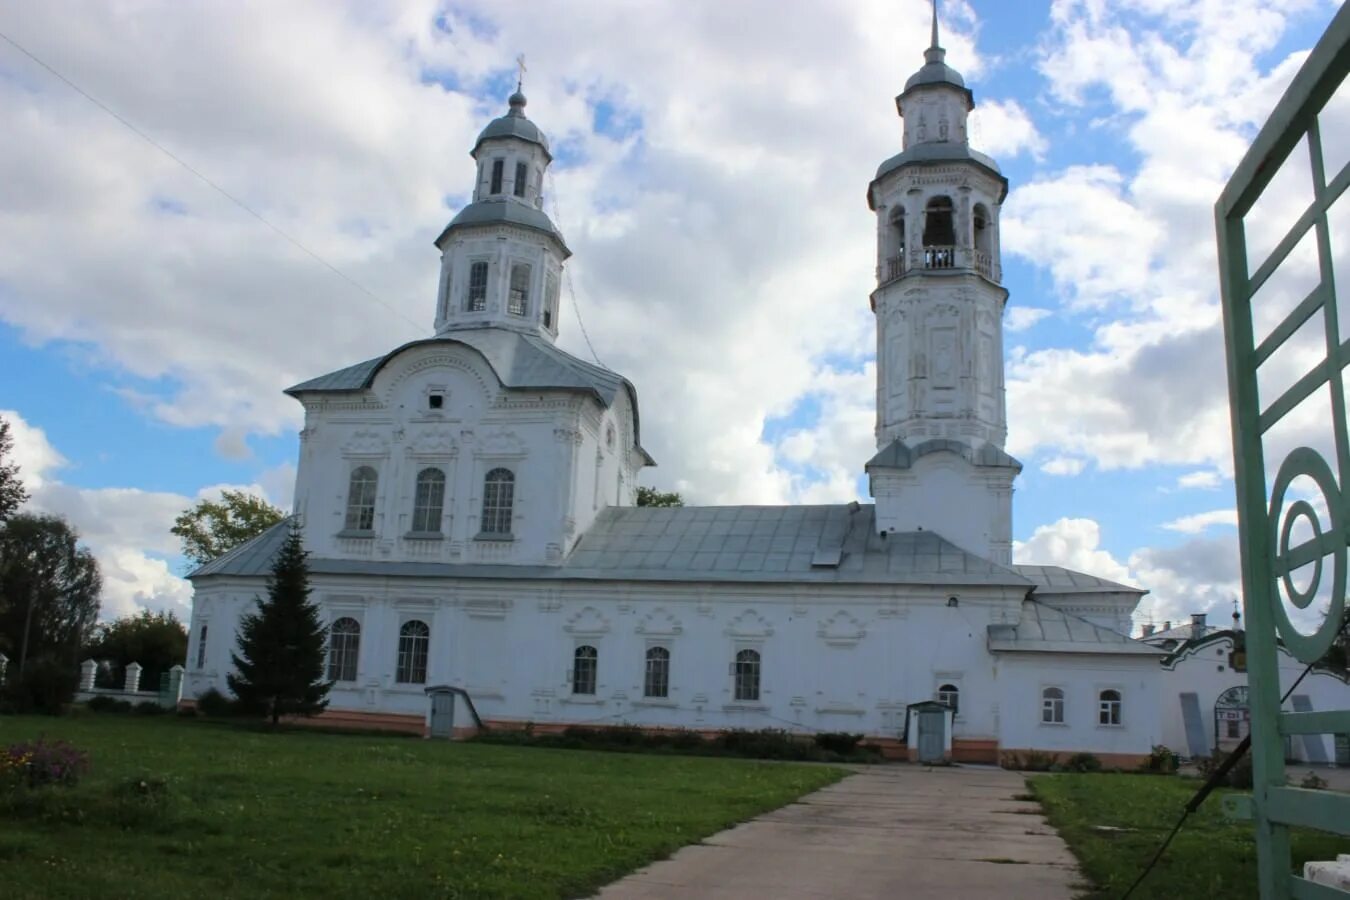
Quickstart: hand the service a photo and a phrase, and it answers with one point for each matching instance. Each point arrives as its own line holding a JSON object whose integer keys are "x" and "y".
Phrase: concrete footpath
{"x": 887, "y": 832}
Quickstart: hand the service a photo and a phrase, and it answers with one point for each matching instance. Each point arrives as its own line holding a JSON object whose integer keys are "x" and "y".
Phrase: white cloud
{"x": 1020, "y": 318}
{"x": 1198, "y": 522}
{"x": 127, "y": 529}
{"x": 1063, "y": 465}
{"x": 34, "y": 454}
{"x": 1002, "y": 128}
{"x": 1204, "y": 479}
{"x": 1074, "y": 544}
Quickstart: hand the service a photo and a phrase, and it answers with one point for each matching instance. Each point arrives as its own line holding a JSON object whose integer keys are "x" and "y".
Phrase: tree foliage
{"x": 280, "y": 664}
{"x": 652, "y": 497}
{"x": 213, "y": 527}
{"x": 158, "y": 641}
{"x": 42, "y": 562}
{"x": 12, "y": 492}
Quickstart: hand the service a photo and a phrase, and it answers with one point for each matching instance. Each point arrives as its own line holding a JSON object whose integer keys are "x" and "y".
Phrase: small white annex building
{"x": 468, "y": 503}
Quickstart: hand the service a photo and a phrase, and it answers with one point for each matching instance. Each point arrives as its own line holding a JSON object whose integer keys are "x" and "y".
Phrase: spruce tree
{"x": 280, "y": 664}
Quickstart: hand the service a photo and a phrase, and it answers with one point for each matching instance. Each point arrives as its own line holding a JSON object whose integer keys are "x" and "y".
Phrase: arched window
{"x": 939, "y": 234}
{"x": 414, "y": 639}
{"x": 519, "y": 187}
{"x": 585, "y": 662}
{"x": 429, "y": 502}
{"x": 950, "y": 694}
{"x": 1052, "y": 706}
{"x": 361, "y": 500}
{"x": 201, "y": 648}
{"x": 498, "y": 166}
{"x": 895, "y": 262}
{"x": 747, "y": 675}
{"x": 498, "y": 497}
{"x": 476, "y": 301}
{"x": 657, "y": 682}
{"x": 344, "y": 647}
{"x": 518, "y": 300}
{"x": 1108, "y": 708}
{"x": 983, "y": 234}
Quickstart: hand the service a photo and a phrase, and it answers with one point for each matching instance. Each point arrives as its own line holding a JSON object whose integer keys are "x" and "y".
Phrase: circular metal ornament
{"x": 1304, "y": 461}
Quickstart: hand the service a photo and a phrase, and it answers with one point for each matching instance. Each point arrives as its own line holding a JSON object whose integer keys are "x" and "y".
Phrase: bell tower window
{"x": 478, "y": 274}
{"x": 895, "y": 261}
{"x": 550, "y": 299}
{"x": 521, "y": 176}
{"x": 498, "y": 166}
{"x": 939, "y": 234}
{"x": 518, "y": 302}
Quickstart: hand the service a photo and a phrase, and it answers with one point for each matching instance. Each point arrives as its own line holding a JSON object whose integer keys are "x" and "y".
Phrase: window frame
{"x": 1110, "y": 710}
{"x": 521, "y": 183}
{"x": 201, "y": 645}
{"x": 414, "y": 651}
{"x": 364, "y": 510}
{"x": 585, "y": 670}
{"x": 497, "y": 513}
{"x": 1053, "y": 708}
{"x": 344, "y": 661}
{"x": 656, "y": 673}
{"x": 496, "y": 176}
{"x": 424, "y": 488}
{"x": 952, "y": 690}
{"x": 475, "y": 298}
{"x": 518, "y": 289}
{"x": 747, "y": 669}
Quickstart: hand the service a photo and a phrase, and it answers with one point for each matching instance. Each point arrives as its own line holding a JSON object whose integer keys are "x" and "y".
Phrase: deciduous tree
{"x": 158, "y": 641}
{"x": 213, "y": 527}
{"x": 652, "y": 497}
{"x": 12, "y": 492}
{"x": 280, "y": 664}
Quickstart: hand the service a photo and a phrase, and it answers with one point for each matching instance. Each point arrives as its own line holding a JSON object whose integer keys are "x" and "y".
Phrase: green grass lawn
{"x": 1211, "y": 856}
{"x": 255, "y": 814}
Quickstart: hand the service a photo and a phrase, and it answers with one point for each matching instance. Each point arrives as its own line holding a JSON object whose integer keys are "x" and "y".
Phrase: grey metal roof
{"x": 513, "y": 125}
{"x": 932, "y": 152}
{"x": 899, "y": 455}
{"x": 744, "y": 544}
{"x": 1044, "y": 629}
{"x": 253, "y": 557}
{"x": 1059, "y": 580}
{"x": 521, "y": 361}
{"x": 935, "y": 71}
{"x": 505, "y": 211}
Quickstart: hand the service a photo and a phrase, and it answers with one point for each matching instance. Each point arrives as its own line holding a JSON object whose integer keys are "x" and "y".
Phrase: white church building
{"x": 468, "y": 504}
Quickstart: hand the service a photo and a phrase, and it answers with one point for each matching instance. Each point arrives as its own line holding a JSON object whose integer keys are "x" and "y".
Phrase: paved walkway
{"x": 901, "y": 831}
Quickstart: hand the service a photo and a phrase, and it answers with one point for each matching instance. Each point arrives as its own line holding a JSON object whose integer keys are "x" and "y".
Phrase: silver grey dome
{"x": 514, "y": 125}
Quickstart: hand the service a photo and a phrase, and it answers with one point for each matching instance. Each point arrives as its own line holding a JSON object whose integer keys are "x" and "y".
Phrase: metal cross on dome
{"x": 1280, "y": 230}
{"x": 520, "y": 64}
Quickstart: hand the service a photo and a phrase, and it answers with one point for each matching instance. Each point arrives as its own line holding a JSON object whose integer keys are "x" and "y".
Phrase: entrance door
{"x": 442, "y": 714}
{"x": 930, "y": 735}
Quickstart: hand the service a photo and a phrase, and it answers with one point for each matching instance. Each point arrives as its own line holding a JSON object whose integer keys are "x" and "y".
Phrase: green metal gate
{"x": 1288, "y": 349}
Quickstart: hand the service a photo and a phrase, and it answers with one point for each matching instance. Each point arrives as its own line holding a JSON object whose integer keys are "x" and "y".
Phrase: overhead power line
{"x": 130, "y": 126}
{"x": 567, "y": 276}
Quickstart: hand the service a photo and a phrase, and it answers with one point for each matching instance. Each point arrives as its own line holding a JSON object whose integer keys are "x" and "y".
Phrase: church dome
{"x": 935, "y": 71}
{"x": 513, "y": 125}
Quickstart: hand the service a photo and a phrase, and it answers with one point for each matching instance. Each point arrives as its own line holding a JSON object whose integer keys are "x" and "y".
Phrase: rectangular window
{"x": 747, "y": 676}
{"x": 1108, "y": 708}
{"x": 585, "y": 662}
{"x": 478, "y": 274}
{"x": 657, "y": 681}
{"x": 497, "y": 167}
{"x": 1234, "y": 729}
{"x": 521, "y": 175}
{"x": 550, "y": 299}
{"x": 518, "y": 302}
{"x": 201, "y": 649}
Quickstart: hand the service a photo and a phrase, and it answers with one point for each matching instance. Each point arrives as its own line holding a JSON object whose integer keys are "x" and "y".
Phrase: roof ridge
{"x": 238, "y": 549}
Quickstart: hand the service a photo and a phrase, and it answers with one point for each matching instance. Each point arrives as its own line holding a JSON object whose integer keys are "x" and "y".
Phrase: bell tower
{"x": 941, "y": 413}
{"x": 501, "y": 256}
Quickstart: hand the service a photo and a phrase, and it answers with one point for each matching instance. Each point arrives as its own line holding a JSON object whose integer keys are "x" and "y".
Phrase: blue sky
{"x": 710, "y": 178}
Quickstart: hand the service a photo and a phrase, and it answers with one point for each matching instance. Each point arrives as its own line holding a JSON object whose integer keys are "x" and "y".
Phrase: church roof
{"x": 505, "y": 211}
{"x": 936, "y": 152}
{"x": 748, "y": 544}
{"x": 899, "y": 455}
{"x": 1059, "y": 580}
{"x": 521, "y": 361}
{"x": 513, "y": 125}
{"x": 1045, "y": 629}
